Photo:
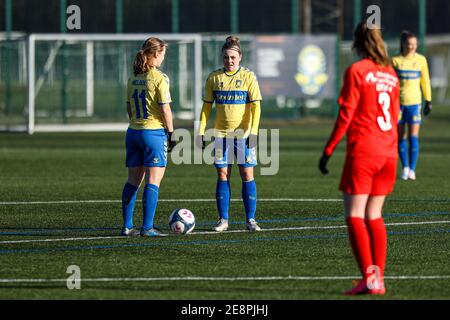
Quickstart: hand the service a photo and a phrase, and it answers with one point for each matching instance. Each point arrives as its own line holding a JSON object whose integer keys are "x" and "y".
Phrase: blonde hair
{"x": 369, "y": 42}
{"x": 232, "y": 43}
{"x": 149, "y": 49}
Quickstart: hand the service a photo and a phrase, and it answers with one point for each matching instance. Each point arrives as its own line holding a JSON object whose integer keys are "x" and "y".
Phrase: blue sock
{"x": 149, "y": 202}
{"x": 128, "y": 200}
{"x": 223, "y": 194}
{"x": 249, "y": 197}
{"x": 413, "y": 151}
{"x": 403, "y": 152}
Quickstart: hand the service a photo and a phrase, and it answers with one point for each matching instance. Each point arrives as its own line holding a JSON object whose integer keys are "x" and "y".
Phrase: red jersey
{"x": 369, "y": 107}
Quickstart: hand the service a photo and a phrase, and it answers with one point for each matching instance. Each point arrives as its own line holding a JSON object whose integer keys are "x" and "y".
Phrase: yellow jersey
{"x": 413, "y": 74}
{"x": 234, "y": 95}
{"x": 146, "y": 94}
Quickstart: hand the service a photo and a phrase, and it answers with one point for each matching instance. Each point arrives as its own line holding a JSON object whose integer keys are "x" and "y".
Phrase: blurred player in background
{"x": 148, "y": 137}
{"x": 235, "y": 91}
{"x": 412, "y": 69}
{"x": 368, "y": 114}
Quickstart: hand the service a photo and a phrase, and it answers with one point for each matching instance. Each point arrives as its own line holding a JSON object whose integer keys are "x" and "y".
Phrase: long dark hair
{"x": 149, "y": 49}
{"x": 404, "y": 37}
{"x": 369, "y": 42}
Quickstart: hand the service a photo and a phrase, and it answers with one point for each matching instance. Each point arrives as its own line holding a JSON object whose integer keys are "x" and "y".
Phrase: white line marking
{"x": 160, "y": 200}
{"x": 416, "y": 223}
{"x": 271, "y": 278}
{"x": 201, "y": 200}
{"x": 57, "y": 202}
{"x": 60, "y": 239}
{"x": 214, "y": 232}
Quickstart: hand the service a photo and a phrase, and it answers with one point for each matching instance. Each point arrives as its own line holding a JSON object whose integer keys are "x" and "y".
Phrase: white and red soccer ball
{"x": 181, "y": 221}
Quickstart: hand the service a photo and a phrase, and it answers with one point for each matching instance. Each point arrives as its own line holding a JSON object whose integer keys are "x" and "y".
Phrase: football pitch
{"x": 60, "y": 206}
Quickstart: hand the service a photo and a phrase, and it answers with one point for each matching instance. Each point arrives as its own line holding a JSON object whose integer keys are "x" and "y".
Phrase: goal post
{"x": 77, "y": 82}
{"x": 92, "y": 79}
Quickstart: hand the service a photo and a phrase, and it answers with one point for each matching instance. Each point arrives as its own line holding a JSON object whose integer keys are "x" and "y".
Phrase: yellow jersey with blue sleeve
{"x": 146, "y": 94}
{"x": 414, "y": 76}
{"x": 236, "y": 96}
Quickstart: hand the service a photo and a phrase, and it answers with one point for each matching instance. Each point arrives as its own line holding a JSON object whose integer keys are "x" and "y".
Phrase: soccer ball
{"x": 181, "y": 221}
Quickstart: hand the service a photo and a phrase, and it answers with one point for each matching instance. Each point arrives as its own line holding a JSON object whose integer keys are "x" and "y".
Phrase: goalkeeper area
{"x": 60, "y": 207}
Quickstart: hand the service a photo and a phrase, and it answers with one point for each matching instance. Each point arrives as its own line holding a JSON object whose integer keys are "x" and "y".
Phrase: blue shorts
{"x": 225, "y": 151}
{"x": 410, "y": 114}
{"x": 146, "y": 148}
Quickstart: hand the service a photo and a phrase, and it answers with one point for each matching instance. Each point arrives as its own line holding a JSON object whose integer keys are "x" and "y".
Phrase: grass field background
{"x": 58, "y": 187}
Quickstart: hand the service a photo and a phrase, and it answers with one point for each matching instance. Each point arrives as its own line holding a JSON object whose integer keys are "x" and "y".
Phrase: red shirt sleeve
{"x": 348, "y": 102}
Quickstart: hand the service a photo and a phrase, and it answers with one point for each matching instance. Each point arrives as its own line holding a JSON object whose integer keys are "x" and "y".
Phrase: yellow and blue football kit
{"x": 146, "y": 143}
{"x": 414, "y": 80}
{"x": 237, "y": 100}
{"x": 146, "y": 93}
{"x": 146, "y": 140}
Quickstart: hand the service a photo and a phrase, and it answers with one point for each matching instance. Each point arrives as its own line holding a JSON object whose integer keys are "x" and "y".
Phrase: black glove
{"x": 171, "y": 143}
{"x": 251, "y": 141}
{"x": 323, "y": 163}
{"x": 427, "y": 108}
{"x": 200, "y": 142}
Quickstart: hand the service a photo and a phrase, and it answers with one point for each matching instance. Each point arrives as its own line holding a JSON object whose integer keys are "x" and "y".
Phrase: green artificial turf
{"x": 61, "y": 186}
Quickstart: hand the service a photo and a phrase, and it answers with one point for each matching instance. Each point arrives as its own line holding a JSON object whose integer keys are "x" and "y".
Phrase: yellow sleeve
{"x": 253, "y": 88}
{"x": 204, "y": 116}
{"x": 256, "y": 115}
{"x": 425, "y": 81}
{"x": 395, "y": 62}
{"x": 209, "y": 93}
{"x": 163, "y": 93}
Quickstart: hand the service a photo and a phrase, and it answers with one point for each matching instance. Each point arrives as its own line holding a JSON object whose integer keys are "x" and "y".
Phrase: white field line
{"x": 5, "y": 203}
{"x": 214, "y": 232}
{"x": 268, "y": 278}
{"x": 160, "y": 200}
{"x": 61, "y": 239}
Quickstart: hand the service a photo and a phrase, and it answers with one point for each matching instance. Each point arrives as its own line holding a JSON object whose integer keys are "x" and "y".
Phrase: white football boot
{"x": 252, "y": 225}
{"x": 129, "y": 232}
{"x": 405, "y": 173}
{"x": 222, "y": 225}
{"x": 411, "y": 175}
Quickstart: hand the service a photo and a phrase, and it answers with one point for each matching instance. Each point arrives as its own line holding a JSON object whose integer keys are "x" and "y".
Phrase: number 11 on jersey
{"x": 138, "y": 106}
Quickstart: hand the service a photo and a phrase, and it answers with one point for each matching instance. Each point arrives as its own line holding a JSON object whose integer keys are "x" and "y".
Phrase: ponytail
{"x": 149, "y": 48}
{"x": 369, "y": 42}
{"x": 140, "y": 63}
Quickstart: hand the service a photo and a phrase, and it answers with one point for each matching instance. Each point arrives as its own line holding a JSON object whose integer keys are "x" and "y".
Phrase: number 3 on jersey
{"x": 138, "y": 106}
{"x": 384, "y": 122}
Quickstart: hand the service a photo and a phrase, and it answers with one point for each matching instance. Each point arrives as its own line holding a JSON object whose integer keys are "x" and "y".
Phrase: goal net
{"x": 78, "y": 82}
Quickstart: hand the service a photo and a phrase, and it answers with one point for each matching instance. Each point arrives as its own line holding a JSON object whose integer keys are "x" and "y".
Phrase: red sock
{"x": 360, "y": 241}
{"x": 378, "y": 241}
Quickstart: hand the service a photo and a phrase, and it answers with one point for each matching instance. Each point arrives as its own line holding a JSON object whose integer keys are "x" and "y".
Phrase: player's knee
{"x": 135, "y": 181}
{"x": 222, "y": 175}
{"x": 372, "y": 215}
{"x": 246, "y": 175}
{"x": 153, "y": 179}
